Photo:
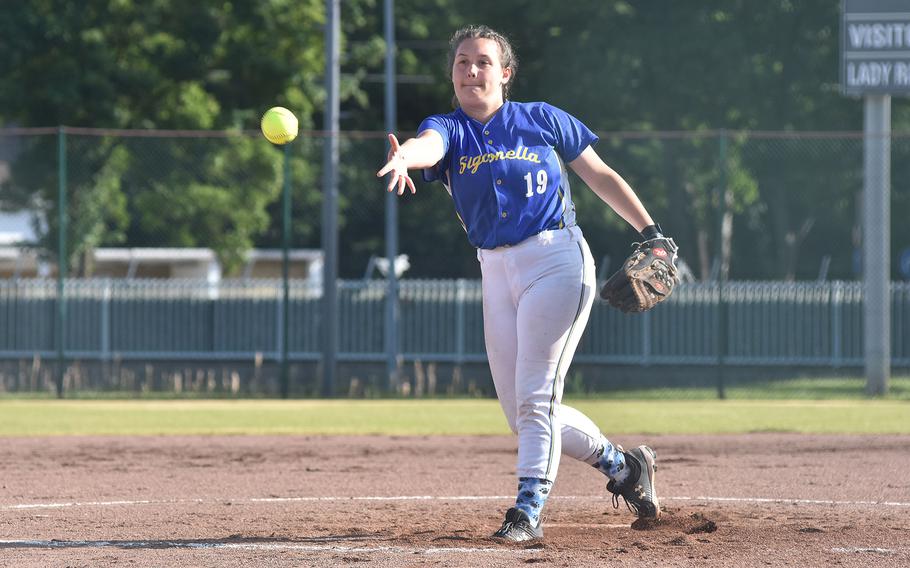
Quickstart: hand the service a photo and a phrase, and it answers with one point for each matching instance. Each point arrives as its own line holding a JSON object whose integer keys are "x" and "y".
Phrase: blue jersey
{"x": 507, "y": 177}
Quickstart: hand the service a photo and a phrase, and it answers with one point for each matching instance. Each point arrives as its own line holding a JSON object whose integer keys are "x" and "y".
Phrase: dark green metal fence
{"x": 788, "y": 201}
{"x": 769, "y": 323}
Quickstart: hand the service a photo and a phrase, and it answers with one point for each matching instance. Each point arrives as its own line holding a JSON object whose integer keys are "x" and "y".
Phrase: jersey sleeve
{"x": 572, "y": 136}
{"x": 443, "y": 125}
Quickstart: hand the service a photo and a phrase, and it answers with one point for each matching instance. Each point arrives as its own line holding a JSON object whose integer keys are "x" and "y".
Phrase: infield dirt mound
{"x": 745, "y": 500}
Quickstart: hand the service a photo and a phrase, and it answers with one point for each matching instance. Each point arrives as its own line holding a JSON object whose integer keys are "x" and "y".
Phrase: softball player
{"x": 503, "y": 163}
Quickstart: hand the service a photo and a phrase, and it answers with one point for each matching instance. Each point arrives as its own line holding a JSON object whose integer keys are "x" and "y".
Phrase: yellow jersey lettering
{"x": 472, "y": 163}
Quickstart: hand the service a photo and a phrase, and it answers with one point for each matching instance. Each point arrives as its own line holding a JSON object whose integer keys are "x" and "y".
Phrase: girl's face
{"x": 477, "y": 73}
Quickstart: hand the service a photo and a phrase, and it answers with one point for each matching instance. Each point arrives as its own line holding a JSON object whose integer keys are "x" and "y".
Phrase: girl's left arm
{"x": 611, "y": 188}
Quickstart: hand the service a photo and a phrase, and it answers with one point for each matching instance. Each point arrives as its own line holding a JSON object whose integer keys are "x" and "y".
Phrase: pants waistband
{"x": 543, "y": 238}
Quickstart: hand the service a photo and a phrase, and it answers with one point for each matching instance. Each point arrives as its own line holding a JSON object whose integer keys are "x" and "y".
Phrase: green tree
{"x": 657, "y": 67}
{"x": 649, "y": 67}
{"x": 167, "y": 64}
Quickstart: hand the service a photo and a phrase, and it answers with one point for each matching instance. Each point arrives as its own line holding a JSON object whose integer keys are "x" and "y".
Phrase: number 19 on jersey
{"x": 541, "y": 182}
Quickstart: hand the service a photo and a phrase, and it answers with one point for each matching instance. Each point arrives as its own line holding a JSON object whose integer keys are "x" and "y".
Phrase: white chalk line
{"x": 386, "y": 498}
{"x": 859, "y": 550}
{"x": 267, "y": 546}
{"x": 585, "y": 526}
{"x": 271, "y": 546}
{"x": 278, "y": 546}
{"x": 790, "y": 501}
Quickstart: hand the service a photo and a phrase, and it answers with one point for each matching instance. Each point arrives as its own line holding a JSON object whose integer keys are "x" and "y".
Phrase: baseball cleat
{"x": 638, "y": 489}
{"x": 517, "y": 527}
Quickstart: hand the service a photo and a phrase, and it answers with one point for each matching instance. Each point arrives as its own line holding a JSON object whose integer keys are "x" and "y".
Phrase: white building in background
{"x": 20, "y": 259}
{"x": 193, "y": 263}
{"x": 305, "y": 264}
{"x": 169, "y": 263}
{"x": 17, "y": 259}
{"x": 16, "y": 228}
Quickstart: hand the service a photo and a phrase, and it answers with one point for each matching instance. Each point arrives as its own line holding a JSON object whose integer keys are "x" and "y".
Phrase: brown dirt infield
{"x": 738, "y": 500}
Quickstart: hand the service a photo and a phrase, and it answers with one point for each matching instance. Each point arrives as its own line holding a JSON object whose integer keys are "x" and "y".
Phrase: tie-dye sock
{"x": 532, "y": 494}
{"x": 610, "y": 461}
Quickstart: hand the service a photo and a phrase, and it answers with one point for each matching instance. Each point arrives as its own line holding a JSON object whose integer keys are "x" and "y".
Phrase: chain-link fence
{"x": 150, "y": 212}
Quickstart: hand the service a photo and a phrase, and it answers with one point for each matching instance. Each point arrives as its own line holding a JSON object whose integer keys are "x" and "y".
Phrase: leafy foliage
{"x": 649, "y": 66}
{"x": 164, "y": 64}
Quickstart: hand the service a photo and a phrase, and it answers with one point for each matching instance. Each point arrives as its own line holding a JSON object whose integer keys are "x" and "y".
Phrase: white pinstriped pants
{"x": 537, "y": 297}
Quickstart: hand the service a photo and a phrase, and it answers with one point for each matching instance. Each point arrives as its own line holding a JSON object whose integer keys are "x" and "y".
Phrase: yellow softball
{"x": 279, "y": 125}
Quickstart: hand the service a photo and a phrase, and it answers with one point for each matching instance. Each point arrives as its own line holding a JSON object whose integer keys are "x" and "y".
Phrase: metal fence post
{"x": 392, "y": 307}
{"x": 106, "y": 294}
{"x": 837, "y": 295}
{"x": 285, "y": 271}
{"x": 877, "y": 243}
{"x": 460, "y": 300}
{"x": 279, "y": 324}
{"x": 330, "y": 199}
{"x": 61, "y": 259}
{"x": 646, "y": 339}
{"x": 721, "y": 275}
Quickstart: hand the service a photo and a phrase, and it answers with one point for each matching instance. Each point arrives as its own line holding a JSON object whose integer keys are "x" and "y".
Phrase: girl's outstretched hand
{"x": 397, "y": 166}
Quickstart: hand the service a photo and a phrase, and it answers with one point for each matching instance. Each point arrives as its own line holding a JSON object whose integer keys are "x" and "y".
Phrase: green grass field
{"x": 800, "y": 388}
{"x": 437, "y": 417}
{"x": 805, "y": 388}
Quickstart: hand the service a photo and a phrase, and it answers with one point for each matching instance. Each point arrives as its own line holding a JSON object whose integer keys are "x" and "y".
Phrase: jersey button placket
{"x": 503, "y": 215}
